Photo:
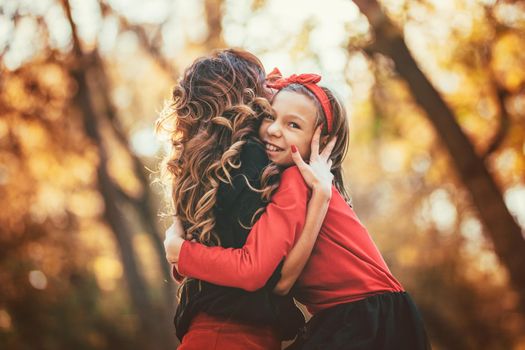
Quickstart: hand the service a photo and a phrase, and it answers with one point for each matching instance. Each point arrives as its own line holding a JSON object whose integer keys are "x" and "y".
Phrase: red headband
{"x": 309, "y": 81}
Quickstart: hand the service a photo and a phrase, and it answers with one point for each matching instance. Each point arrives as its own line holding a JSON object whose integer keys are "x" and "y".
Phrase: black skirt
{"x": 388, "y": 321}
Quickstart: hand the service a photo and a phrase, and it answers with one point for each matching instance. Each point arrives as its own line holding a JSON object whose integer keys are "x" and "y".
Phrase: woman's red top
{"x": 345, "y": 264}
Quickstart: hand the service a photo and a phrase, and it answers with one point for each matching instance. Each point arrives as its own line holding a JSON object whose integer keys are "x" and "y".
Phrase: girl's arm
{"x": 272, "y": 236}
{"x": 298, "y": 256}
{"x": 269, "y": 241}
{"x": 318, "y": 177}
{"x": 296, "y": 260}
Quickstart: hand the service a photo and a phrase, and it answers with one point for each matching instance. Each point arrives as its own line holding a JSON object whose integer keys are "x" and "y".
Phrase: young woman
{"x": 220, "y": 181}
{"x": 355, "y": 301}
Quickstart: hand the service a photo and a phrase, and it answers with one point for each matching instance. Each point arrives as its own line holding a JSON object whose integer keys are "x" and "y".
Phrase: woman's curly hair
{"x": 216, "y": 107}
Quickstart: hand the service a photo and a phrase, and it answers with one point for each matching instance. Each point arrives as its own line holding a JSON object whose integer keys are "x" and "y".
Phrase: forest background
{"x": 436, "y": 167}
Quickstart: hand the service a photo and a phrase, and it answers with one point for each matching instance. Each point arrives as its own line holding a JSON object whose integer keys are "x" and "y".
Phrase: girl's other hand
{"x": 316, "y": 173}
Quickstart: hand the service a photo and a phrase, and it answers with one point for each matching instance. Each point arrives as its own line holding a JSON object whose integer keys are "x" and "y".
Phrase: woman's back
{"x": 235, "y": 207}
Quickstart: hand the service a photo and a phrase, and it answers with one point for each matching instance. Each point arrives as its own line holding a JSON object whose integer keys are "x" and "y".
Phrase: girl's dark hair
{"x": 339, "y": 128}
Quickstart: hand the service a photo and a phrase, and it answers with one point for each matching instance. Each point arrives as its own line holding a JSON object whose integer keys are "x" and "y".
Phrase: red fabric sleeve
{"x": 269, "y": 241}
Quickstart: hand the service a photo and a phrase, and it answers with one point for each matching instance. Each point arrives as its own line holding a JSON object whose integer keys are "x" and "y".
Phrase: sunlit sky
{"x": 265, "y": 32}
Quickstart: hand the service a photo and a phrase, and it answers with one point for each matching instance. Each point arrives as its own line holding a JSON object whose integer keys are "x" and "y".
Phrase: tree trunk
{"x": 141, "y": 204}
{"x": 152, "y": 335}
{"x": 505, "y": 234}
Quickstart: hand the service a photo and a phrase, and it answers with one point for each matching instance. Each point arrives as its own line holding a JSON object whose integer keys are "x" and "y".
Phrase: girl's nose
{"x": 274, "y": 129}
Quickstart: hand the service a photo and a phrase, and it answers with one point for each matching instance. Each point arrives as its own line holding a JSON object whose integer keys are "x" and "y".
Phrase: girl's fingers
{"x": 177, "y": 224}
{"x": 176, "y": 228}
{"x": 327, "y": 151}
{"x": 330, "y": 164}
{"x": 315, "y": 142}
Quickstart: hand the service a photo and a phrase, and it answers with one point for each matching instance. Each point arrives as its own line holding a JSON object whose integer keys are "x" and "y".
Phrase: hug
{"x": 263, "y": 218}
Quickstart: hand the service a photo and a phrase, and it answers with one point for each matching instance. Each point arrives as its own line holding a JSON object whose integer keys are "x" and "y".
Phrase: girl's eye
{"x": 269, "y": 117}
{"x": 294, "y": 125}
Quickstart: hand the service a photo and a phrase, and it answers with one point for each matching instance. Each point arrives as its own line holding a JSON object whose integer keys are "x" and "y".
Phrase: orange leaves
{"x": 509, "y": 61}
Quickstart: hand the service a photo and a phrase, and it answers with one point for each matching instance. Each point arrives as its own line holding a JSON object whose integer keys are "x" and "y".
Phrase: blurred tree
{"x": 82, "y": 65}
{"x": 49, "y": 297}
{"x": 60, "y": 269}
{"x": 503, "y": 230}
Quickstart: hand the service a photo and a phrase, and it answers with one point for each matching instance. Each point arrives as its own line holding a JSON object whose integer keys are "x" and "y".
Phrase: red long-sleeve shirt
{"x": 345, "y": 264}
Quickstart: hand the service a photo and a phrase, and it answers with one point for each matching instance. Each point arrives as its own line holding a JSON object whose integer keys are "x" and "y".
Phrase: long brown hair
{"x": 339, "y": 128}
{"x": 215, "y": 108}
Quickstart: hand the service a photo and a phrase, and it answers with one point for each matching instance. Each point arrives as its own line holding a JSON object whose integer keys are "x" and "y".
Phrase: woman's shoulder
{"x": 253, "y": 153}
{"x": 253, "y": 160}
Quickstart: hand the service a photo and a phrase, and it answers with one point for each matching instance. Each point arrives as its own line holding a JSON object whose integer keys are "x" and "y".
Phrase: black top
{"x": 237, "y": 203}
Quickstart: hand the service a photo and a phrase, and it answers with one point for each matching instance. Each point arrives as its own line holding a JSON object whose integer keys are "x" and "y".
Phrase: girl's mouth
{"x": 272, "y": 148}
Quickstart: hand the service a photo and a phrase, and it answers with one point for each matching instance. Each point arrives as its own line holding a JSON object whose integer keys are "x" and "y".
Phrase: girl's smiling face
{"x": 293, "y": 123}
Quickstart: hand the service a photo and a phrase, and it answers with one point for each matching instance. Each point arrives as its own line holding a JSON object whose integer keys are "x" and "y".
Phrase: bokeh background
{"x": 436, "y": 95}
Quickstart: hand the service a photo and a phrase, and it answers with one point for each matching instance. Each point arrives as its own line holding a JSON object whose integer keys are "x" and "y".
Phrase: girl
{"x": 355, "y": 301}
{"x": 217, "y": 191}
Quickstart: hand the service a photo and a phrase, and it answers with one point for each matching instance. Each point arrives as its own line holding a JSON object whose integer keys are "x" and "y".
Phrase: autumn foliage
{"x": 436, "y": 167}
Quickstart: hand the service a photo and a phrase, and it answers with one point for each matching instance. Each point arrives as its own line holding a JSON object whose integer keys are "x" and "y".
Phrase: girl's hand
{"x": 175, "y": 235}
{"x": 317, "y": 173}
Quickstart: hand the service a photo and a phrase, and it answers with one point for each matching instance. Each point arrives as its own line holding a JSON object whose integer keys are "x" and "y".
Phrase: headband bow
{"x": 309, "y": 81}
{"x": 302, "y": 79}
